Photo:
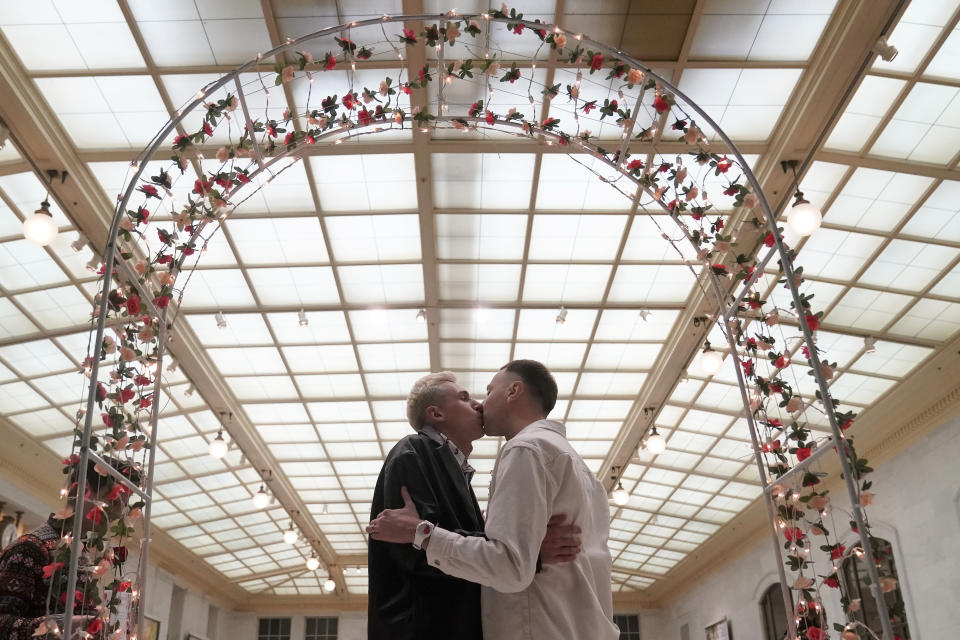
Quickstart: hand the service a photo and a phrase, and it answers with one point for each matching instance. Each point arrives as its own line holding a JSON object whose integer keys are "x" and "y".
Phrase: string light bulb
{"x": 261, "y": 498}
{"x": 710, "y": 360}
{"x": 620, "y": 495}
{"x": 40, "y": 229}
{"x": 655, "y": 443}
{"x": 313, "y": 563}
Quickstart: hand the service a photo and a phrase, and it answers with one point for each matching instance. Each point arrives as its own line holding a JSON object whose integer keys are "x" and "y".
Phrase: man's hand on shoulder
{"x": 396, "y": 525}
{"x": 562, "y": 542}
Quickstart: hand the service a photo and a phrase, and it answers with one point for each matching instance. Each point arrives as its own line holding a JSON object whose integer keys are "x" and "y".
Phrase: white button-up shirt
{"x": 537, "y": 475}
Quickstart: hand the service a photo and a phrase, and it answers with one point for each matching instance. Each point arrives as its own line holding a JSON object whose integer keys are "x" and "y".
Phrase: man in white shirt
{"x": 537, "y": 474}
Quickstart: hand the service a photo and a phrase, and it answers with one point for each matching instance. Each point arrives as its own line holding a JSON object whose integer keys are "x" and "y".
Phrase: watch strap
{"x": 424, "y": 529}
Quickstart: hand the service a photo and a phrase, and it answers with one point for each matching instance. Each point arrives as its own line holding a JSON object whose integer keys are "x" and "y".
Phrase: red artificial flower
{"x": 287, "y": 139}
{"x": 747, "y": 367}
{"x": 243, "y": 178}
{"x": 660, "y": 105}
{"x": 597, "y": 62}
{"x": 115, "y": 493}
{"x": 77, "y": 598}
{"x": 133, "y": 305}
{"x": 187, "y": 251}
{"x": 101, "y": 396}
{"x": 202, "y": 186}
{"x": 145, "y": 402}
{"x": 73, "y": 459}
{"x": 805, "y": 350}
{"x": 95, "y": 626}
{"x": 364, "y": 118}
{"x": 107, "y": 420}
{"x": 123, "y": 586}
{"x": 769, "y": 239}
{"x": 120, "y": 553}
{"x": 52, "y": 568}
{"x": 719, "y": 224}
{"x": 635, "y": 164}
{"x": 837, "y": 552}
{"x": 140, "y": 381}
{"x": 150, "y": 190}
{"x": 724, "y": 164}
{"x": 518, "y": 28}
{"x": 161, "y": 302}
{"x": 793, "y": 534}
{"x": 409, "y": 34}
{"x": 95, "y": 515}
{"x": 329, "y": 62}
{"x": 803, "y": 453}
{"x": 144, "y": 213}
{"x": 813, "y": 322}
{"x": 754, "y": 304}
{"x": 348, "y": 101}
{"x": 781, "y": 362}
{"x": 181, "y": 140}
{"x": 223, "y": 181}
{"x": 490, "y": 118}
{"x": 672, "y": 205}
{"x": 846, "y": 424}
{"x": 164, "y": 258}
{"x": 272, "y": 131}
{"x": 732, "y": 190}
{"x": 406, "y": 88}
{"x": 775, "y": 387}
{"x": 207, "y": 129}
{"x": 775, "y": 422}
{"x": 126, "y": 395}
{"x": 752, "y": 343}
{"x": 816, "y": 633}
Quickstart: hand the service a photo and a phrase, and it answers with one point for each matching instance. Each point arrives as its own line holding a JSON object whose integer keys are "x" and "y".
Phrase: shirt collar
{"x": 441, "y": 439}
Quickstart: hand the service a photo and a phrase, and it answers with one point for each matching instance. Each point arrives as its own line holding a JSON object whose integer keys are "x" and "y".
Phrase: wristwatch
{"x": 424, "y": 529}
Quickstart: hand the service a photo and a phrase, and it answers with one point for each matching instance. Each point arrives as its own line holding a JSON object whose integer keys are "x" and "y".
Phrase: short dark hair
{"x": 537, "y": 379}
{"x": 96, "y": 482}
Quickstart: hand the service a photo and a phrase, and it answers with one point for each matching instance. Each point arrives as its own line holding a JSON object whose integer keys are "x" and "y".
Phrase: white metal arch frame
{"x": 725, "y": 315}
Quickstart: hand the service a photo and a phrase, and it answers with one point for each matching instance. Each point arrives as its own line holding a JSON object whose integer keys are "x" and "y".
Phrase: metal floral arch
{"x": 137, "y": 285}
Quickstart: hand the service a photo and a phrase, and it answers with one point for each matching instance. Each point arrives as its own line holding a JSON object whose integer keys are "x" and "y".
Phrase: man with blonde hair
{"x": 407, "y": 597}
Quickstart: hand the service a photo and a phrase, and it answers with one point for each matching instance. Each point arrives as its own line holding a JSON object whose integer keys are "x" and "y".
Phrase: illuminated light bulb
{"x": 655, "y": 443}
{"x": 803, "y": 218}
{"x": 261, "y": 499}
{"x": 710, "y": 360}
{"x": 620, "y": 495}
{"x": 63, "y": 492}
{"x": 329, "y": 585}
{"x": 218, "y": 447}
{"x": 313, "y": 563}
{"x": 40, "y": 229}
{"x": 290, "y": 535}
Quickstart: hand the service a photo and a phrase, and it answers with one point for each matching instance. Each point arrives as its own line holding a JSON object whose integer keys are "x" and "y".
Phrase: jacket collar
{"x": 458, "y": 455}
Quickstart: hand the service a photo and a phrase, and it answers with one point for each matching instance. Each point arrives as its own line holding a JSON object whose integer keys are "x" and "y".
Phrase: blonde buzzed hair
{"x": 425, "y": 392}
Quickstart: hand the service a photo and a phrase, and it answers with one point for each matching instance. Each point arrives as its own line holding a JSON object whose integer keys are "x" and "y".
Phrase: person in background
{"x": 407, "y": 597}
{"x": 537, "y": 474}
{"x": 27, "y": 565}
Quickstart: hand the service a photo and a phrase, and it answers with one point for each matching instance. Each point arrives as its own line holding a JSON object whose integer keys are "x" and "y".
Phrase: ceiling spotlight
{"x": 78, "y": 244}
{"x": 40, "y": 229}
{"x": 290, "y": 535}
{"x": 219, "y": 447}
{"x": 261, "y": 498}
{"x": 329, "y": 585}
{"x": 172, "y": 366}
{"x": 221, "y": 321}
{"x": 303, "y": 318}
{"x": 655, "y": 443}
{"x": 710, "y": 360}
{"x": 684, "y": 377}
{"x": 870, "y": 344}
{"x": 620, "y": 495}
{"x": 884, "y": 49}
{"x": 325, "y": 510}
{"x": 190, "y": 391}
{"x": 313, "y": 563}
{"x": 422, "y": 316}
{"x": 562, "y": 316}
{"x": 645, "y": 313}
{"x": 93, "y": 264}
{"x": 4, "y": 134}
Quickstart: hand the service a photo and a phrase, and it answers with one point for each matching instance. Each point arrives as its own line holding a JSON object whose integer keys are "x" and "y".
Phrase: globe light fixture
{"x": 803, "y": 218}
{"x": 261, "y": 498}
{"x": 620, "y": 495}
{"x": 313, "y": 563}
{"x": 655, "y": 443}
{"x": 710, "y": 360}
{"x": 329, "y": 585}
{"x": 40, "y": 229}
{"x": 219, "y": 447}
{"x": 290, "y": 535}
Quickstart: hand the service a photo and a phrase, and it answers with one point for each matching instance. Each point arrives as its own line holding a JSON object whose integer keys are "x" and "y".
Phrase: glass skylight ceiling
{"x": 499, "y": 239}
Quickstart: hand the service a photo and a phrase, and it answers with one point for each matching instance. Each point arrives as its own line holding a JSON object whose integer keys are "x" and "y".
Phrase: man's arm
{"x": 407, "y": 470}
{"x": 517, "y": 517}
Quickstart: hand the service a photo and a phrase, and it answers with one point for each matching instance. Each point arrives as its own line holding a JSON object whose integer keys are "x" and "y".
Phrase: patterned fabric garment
{"x": 23, "y": 589}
